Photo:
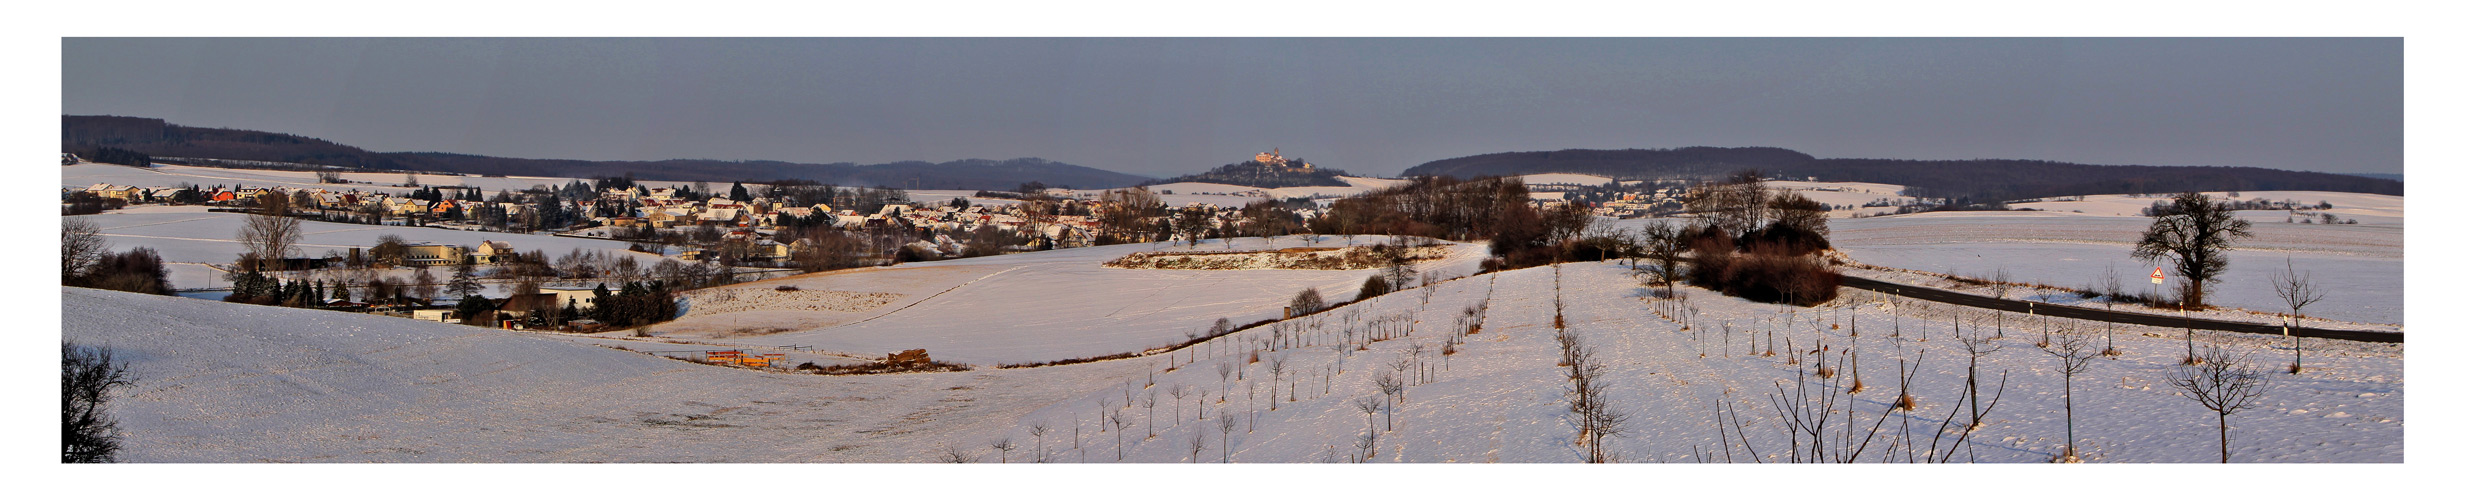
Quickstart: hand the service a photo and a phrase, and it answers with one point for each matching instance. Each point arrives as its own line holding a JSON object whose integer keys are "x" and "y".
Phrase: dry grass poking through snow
{"x": 728, "y": 300}
{"x": 1323, "y": 259}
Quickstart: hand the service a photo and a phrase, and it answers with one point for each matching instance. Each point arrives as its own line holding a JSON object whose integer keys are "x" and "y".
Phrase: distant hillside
{"x": 152, "y": 136}
{"x": 2399, "y": 177}
{"x": 1979, "y": 179}
{"x": 1268, "y": 170}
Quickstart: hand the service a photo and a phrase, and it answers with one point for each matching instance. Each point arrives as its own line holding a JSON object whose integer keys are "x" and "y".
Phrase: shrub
{"x": 139, "y": 270}
{"x": 1768, "y": 273}
{"x": 1307, "y": 302}
{"x": 1375, "y": 286}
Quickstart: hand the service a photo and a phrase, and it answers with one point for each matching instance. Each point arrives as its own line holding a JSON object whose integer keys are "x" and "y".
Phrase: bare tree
{"x": 1038, "y": 430}
{"x": 1005, "y": 446}
{"x": 1662, "y": 244}
{"x": 1198, "y": 443}
{"x": 2297, "y": 292}
{"x": 1178, "y": 391}
{"x": 269, "y": 238}
{"x": 2225, "y": 384}
{"x": 424, "y": 284}
{"x": 81, "y": 245}
{"x": 1120, "y": 420}
{"x": 2114, "y": 290}
{"x": 88, "y": 434}
{"x": 1147, "y": 401}
{"x": 1977, "y": 345}
{"x": 2073, "y": 351}
{"x": 952, "y": 454}
{"x": 1275, "y": 368}
{"x": 1224, "y": 425}
{"x": 1390, "y": 383}
{"x": 1223, "y": 380}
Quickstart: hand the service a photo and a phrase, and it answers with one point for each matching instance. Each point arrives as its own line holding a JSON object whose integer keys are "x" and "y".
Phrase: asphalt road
{"x": 2061, "y": 311}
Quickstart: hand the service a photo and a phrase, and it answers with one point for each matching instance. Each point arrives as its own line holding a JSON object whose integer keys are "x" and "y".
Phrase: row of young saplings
{"x": 1820, "y": 415}
{"x": 1270, "y": 351}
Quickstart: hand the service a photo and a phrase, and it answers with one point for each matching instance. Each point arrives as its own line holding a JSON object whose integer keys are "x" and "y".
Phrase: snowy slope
{"x": 1052, "y": 305}
{"x": 231, "y": 383}
{"x": 242, "y": 383}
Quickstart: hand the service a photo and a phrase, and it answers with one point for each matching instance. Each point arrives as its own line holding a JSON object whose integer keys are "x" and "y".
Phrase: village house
{"x": 431, "y": 254}
{"x": 491, "y": 252}
{"x": 579, "y": 297}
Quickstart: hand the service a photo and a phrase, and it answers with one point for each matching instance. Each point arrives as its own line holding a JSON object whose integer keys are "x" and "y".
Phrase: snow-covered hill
{"x": 223, "y": 382}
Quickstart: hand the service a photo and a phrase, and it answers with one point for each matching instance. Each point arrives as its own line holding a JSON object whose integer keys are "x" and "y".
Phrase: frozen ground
{"x": 233, "y": 383}
{"x": 189, "y": 237}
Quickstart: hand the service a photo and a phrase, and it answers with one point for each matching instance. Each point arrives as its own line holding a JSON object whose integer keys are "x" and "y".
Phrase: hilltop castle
{"x": 1276, "y": 159}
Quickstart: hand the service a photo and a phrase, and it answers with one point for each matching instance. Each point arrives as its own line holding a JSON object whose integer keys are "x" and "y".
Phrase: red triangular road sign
{"x": 2157, "y": 277}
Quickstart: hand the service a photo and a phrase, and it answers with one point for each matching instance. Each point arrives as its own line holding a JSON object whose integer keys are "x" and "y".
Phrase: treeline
{"x": 153, "y": 136}
{"x": 1492, "y": 208}
{"x": 115, "y": 156}
{"x": 1986, "y": 179}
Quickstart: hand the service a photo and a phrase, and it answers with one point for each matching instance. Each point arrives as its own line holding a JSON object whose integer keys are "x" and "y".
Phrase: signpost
{"x": 2157, "y": 277}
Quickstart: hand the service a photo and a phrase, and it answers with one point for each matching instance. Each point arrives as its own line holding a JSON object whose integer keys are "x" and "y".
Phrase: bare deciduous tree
{"x": 269, "y": 238}
{"x": 2073, "y": 351}
{"x": 1038, "y": 430}
{"x": 1005, "y": 446}
{"x": 953, "y": 454}
{"x": 1224, "y": 425}
{"x": 1120, "y": 420}
{"x": 1275, "y": 368}
{"x": 1198, "y": 443}
{"x": 1178, "y": 391}
{"x": 2297, "y": 292}
{"x": 88, "y": 434}
{"x": 81, "y": 245}
{"x": 2225, "y": 384}
{"x": 1147, "y": 401}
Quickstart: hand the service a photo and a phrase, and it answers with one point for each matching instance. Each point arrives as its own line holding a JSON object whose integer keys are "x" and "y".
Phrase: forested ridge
{"x": 154, "y": 137}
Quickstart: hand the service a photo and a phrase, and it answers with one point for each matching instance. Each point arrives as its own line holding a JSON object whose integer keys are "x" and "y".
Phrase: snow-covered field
{"x": 232, "y": 383}
{"x": 1846, "y": 194}
{"x": 1577, "y": 179}
{"x": 1045, "y": 305}
{"x": 2367, "y": 208}
{"x": 2361, "y": 266}
{"x": 189, "y": 237}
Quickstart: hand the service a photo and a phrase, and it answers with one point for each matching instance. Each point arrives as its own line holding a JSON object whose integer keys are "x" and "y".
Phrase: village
{"x": 675, "y": 238}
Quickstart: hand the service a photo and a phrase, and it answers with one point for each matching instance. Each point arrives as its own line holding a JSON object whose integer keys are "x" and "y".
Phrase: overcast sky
{"x": 1163, "y": 107}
